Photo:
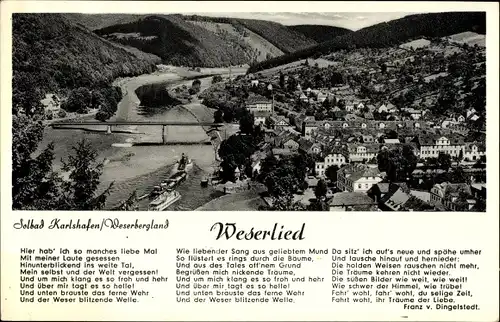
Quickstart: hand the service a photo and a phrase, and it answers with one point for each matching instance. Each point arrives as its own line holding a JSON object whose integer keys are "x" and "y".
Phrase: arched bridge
{"x": 110, "y": 125}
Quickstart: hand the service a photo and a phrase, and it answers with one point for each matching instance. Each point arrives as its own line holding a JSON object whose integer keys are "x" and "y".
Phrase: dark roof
{"x": 397, "y": 195}
{"x": 370, "y": 172}
{"x": 258, "y": 99}
{"x": 350, "y": 199}
{"x": 430, "y": 139}
{"x": 370, "y": 147}
{"x": 305, "y": 144}
{"x": 261, "y": 114}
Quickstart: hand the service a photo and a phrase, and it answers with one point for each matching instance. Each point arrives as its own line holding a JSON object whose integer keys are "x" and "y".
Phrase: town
{"x": 400, "y": 128}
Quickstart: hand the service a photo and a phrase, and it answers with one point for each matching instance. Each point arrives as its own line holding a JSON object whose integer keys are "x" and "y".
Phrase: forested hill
{"x": 98, "y": 21}
{"x": 50, "y": 53}
{"x": 281, "y": 36}
{"x": 320, "y": 33}
{"x": 177, "y": 41}
{"x": 284, "y": 38}
{"x": 390, "y": 33}
{"x": 205, "y": 41}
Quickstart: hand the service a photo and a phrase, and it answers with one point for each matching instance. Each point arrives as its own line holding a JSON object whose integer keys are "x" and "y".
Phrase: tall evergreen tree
{"x": 84, "y": 172}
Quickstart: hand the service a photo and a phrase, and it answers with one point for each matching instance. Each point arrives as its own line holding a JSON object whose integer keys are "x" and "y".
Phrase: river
{"x": 139, "y": 168}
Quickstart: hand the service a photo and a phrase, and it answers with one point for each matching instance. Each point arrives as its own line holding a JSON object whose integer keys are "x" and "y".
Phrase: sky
{"x": 349, "y": 20}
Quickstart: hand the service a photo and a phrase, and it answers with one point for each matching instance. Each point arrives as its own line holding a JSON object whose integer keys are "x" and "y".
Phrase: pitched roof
{"x": 261, "y": 114}
{"x": 350, "y": 199}
{"x": 397, "y": 195}
{"x": 258, "y": 100}
{"x": 305, "y": 144}
{"x": 430, "y": 139}
{"x": 370, "y": 147}
{"x": 370, "y": 172}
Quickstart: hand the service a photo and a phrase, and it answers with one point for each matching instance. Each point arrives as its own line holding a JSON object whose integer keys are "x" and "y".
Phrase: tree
{"x": 284, "y": 176}
{"x": 79, "y": 100}
{"x": 391, "y": 134}
{"x": 247, "y": 123}
{"x": 228, "y": 166}
{"x": 383, "y": 68}
{"x": 34, "y": 183}
{"x": 282, "y": 80}
{"x": 458, "y": 175}
{"x": 318, "y": 205}
{"x": 444, "y": 161}
{"x": 228, "y": 114}
{"x": 285, "y": 203}
{"x": 218, "y": 116}
{"x": 79, "y": 192}
{"x": 459, "y": 157}
{"x": 321, "y": 190}
{"x": 398, "y": 163}
{"x": 331, "y": 172}
{"x": 216, "y": 79}
{"x": 196, "y": 86}
{"x": 129, "y": 204}
{"x": 236, "y": 150}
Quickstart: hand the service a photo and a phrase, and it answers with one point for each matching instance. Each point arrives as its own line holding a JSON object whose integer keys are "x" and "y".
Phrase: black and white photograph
{"x": 249, "y": 111}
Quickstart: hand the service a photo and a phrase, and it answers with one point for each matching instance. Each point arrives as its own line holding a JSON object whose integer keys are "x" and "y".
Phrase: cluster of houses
{"x": 349, "y": 133}
{"x": 353, "y": 143}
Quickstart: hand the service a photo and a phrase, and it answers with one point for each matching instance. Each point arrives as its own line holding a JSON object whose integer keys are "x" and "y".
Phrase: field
{"x": 296, "y": 65}
{"x": 418, "y": 43}
{"x": 470, "y": 38}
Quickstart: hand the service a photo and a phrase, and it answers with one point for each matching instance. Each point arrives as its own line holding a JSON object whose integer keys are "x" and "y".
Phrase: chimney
{"x": 272, "y": 105}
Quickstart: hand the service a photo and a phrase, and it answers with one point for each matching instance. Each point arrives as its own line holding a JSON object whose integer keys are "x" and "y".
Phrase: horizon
{"x": 349, "y": 20}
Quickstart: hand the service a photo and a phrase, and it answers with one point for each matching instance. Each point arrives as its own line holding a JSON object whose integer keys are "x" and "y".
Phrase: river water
{"x": 141, "y": 167}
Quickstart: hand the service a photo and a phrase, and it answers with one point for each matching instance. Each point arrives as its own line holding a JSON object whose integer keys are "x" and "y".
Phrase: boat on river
{"x": 164, "y": 200}
{"x": 184, "y": 163}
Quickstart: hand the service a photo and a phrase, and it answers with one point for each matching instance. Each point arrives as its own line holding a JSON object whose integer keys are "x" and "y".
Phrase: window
{"x": 359, "y": 186}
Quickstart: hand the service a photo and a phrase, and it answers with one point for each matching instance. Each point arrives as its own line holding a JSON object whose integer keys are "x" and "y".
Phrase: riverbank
{"x": 139, "y": 167}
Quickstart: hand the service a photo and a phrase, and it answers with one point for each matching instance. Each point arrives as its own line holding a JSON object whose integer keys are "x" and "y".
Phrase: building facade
{"x": 357, "y": 178}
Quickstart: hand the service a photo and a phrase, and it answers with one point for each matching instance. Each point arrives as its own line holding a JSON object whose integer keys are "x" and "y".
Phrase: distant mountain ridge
{"x": 320, "y": 33}
{"x": 388, "y": 34}
{"x": 98, "y": 21}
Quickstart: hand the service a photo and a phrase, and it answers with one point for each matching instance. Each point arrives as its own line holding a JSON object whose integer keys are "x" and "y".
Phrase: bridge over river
{"x": 130, "y": 127}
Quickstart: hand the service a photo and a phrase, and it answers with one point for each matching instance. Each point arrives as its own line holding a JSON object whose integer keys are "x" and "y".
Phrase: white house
{"x": 260, "y": 117}
{"x": 431, "y": 145}
{"x": 359, "y": 152}
{"x": 333, "y": 156}
{"x": 255, "y": 104}
{"x": 474, "y": 151}
{"x": 382, "y": 108}
{"x": 357, "y": 177}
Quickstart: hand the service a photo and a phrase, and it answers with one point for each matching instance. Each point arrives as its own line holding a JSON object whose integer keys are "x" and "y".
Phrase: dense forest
{"x": 55, "y": 54}
{"x": 287, "y": 40}
{"x": 320, "y": 33}
{"x": 389, "y": 33}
